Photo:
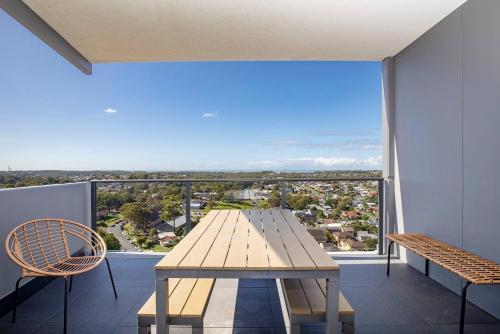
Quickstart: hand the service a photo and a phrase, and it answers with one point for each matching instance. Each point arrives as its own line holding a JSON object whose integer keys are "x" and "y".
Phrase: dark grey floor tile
{"x": 469, "y": 329}
{"x": 379, "y": 306}
{"x": 125, "y": 330}
{"x": 74, "y": 329}
{"x": 278, "y": 316}
{"x": 413, "y": 329}
{"x": 130, "y": 318}
{"x": 252, "y": 308}
{"x": 273, "y": 293}
{"x": 253, "y": 283}
{"x": 437, "y": 305}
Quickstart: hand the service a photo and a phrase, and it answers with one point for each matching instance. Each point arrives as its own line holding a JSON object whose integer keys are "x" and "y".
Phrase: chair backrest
{"x": 38, "y": 246}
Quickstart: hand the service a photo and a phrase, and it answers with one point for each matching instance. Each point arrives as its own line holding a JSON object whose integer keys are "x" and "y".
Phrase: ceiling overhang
{"x": 203, "y": 30}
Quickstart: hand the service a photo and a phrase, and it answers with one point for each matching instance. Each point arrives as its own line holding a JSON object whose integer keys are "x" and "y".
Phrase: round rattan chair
{"x": 44, "y": 247}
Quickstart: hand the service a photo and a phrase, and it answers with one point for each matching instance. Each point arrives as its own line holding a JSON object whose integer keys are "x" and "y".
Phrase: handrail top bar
{"x": 266, "y": 180}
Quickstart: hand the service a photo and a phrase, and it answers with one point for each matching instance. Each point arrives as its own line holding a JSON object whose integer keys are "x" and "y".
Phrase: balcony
{"x": 407, "y": 302}
{"x": 440, "y": 84}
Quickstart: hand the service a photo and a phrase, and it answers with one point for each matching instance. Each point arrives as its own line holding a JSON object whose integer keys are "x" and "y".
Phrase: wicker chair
{"x": 42, "y": 248}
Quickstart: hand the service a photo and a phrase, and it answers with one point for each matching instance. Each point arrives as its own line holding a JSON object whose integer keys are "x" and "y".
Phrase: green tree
{"x": 343, "y": 204}
{"x": 112, "y": 243}
{"x": 109, "y": 200}
{"x": 336, "y": 213}
{"x": 299, "y": 201}
{"x": 274, "y": 199}
{"x": 211, "y": 205}
{"x": 171, "y": 208}
{"x": 371, "y": 244}
{"x": 264, "y": 204}
{"x": 331, "y": 202}
{"x": 136, "y": 213}
{"x": 153, "y": 235}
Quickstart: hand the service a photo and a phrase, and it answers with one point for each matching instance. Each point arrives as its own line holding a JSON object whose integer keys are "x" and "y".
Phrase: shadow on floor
{"x": 407, "y": 302}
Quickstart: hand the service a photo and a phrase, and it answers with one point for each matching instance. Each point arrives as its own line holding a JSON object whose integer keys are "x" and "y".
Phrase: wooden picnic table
{"x": 248, "y": 244}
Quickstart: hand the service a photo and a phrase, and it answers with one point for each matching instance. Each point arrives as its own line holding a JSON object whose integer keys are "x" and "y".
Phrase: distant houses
{"x": 197, "y": 204}
{"x": 166, "y": 238}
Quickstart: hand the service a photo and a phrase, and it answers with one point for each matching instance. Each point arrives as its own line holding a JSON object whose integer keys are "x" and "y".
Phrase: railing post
{"x": 381, "y": 217}
{"x": 187, "y": 205}
{"x": 93, "y": 205}
{"x": 283, "y": 194}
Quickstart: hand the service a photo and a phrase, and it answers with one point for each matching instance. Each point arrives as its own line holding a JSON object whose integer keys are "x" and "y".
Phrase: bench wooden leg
{"x": 332, "y": 306}
{"x": 389, "y": 257}
{"x": 162, "y": 306}
{"x": 462, "y": 308}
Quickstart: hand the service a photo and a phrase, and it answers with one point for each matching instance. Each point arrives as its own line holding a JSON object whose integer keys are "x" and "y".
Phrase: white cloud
{"x": 110, "y": 111}
{"x": 209, "y": 115}
{"x": 322, "y": 163}
{"x": 353, "y": 144}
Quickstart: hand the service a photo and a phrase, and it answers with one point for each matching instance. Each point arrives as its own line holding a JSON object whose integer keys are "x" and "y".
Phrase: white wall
{"x": 68, "y": 201}
{"x": 447, "y": 141}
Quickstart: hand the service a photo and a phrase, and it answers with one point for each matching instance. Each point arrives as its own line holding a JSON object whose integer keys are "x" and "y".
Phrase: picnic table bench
{"x": 248, "y": 244}
{"x": 305, "y": 303}
{"x": 471, "y": 267}
{"x": 187, "y": 303}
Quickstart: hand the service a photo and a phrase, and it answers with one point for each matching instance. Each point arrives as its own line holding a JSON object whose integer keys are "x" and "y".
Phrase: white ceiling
{"x": 172, "y": 30}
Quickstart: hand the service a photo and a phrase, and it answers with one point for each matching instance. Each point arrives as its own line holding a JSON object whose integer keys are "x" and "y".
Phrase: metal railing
{"x": 186, "y": 183}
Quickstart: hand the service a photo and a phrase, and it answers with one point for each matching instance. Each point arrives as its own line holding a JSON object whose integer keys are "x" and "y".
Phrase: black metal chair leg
{"x": 111, "y": 277}
{"x": 70, "y": 283}
{"x": 389, "y": 257}
{"x": 15, "y": 300}
{"x": 426, "y": 267}
{"x": 65, "y": 304}
{"x": 462, "y": 308}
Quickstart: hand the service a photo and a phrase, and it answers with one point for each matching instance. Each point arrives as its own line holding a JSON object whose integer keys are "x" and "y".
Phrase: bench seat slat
{"x": 298, "y": 302}
{"x": 314, "y": 295}
{"x": 180, "y": 296}
{"x": 149, "y": 308}
{"x": 191, "y": 295}
{"x": 315, "y": 301}
{"x": 197, "y": 301}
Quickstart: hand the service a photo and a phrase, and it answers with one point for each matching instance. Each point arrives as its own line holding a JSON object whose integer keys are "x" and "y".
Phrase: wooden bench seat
{"x": 473, "y": 268}
{"x": 306, "y": 303}
{"x": 188, "y": 300}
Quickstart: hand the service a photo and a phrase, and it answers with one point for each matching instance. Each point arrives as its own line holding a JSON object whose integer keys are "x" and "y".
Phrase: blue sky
{"x": 184, "y": 116}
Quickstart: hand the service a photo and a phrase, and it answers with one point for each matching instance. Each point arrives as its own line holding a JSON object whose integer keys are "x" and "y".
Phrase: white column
{"x": 388, "y": 144}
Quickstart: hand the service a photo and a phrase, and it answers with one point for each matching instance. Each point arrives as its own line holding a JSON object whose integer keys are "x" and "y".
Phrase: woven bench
{"x": 306, "y": 302}
{"x": 188, "y": 300}
{"x": 472, "y": 268}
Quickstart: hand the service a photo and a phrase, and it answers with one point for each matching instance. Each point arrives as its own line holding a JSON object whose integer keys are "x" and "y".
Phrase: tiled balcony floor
{"x": 408, "y": 302}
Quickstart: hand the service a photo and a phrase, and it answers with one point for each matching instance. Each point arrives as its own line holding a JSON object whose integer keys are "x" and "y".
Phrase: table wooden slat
{"x": 298, "y": 255}
{"x": 276, "y": 251}
{"x": 248, "y": 240}
{"x": 257, "y": 252}
{"x": 316, "y": 253}
{"x": 217, "y": 255}
{"x": 237, "y": 253}
{"x": 200, "y": 249}
{"x": 177, "y": 254}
